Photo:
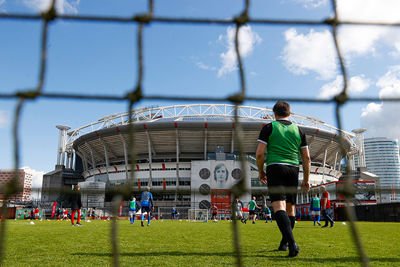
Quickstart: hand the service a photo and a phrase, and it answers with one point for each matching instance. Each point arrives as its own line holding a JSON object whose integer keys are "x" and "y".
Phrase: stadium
{"x": 179, "y": 150}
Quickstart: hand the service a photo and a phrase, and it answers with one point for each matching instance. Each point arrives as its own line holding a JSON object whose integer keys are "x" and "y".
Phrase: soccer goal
{"x": 198, "y": 215}
{"x": 166, "y": 213}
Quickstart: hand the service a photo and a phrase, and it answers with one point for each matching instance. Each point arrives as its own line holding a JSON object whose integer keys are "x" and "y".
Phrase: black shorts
{"x": 146, "y": 209}
{"x": 282, "y": 182}
{"x": 252, "y": 212}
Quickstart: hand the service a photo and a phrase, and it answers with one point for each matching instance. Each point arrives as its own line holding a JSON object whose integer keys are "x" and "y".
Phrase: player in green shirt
{"x": 279, "y": 145}
{"x": 252, "y": 209}
{"x": 267, "y": 212}
{"x": 133, "y": 207}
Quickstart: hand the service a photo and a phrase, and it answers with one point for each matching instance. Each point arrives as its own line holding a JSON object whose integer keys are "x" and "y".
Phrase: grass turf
{"x": 179, "y": 243}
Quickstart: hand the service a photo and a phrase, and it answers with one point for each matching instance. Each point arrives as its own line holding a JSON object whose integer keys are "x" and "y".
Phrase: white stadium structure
{"x": 178, "y": 149}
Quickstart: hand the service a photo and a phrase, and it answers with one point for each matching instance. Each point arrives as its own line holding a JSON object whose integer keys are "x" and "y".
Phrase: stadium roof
{"x": 192, "y": 131}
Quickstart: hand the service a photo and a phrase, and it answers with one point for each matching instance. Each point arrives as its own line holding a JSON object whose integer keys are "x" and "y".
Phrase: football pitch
{"x": 179, "y": 243}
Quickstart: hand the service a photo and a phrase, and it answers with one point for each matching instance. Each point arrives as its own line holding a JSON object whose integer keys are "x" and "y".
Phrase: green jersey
{"x": 132, "y": 205}
{"x": 315, "y": 204}
{"x": 252, "y": 205}
{"x": 284, "y": 144}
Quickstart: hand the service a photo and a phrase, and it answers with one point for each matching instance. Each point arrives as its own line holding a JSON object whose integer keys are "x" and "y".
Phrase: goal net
{"x": 166, "y": 213}
{"x": 198, "y": 215}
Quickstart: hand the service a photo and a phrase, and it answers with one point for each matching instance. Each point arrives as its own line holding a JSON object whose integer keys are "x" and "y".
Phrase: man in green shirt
{"x": 133, "y": 207}
{"x": 267, "y": 212}
{"x": 279, "y": 145}
{"x": 252, "y": 209}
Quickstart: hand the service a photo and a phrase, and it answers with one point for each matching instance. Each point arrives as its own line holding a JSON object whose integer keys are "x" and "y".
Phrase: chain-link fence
{"x": 138, "y": 93}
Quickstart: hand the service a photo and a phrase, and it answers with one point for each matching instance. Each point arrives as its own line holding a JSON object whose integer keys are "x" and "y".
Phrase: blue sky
{"x": 285, "y": 61}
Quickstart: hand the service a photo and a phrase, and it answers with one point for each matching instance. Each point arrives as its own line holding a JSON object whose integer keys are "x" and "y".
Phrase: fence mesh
{"x": 138, "y": 93}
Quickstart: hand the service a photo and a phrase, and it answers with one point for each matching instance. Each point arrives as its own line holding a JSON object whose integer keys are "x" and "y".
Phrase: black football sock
{"x": 292, "y": 221}
{"x": 284, "y": 225}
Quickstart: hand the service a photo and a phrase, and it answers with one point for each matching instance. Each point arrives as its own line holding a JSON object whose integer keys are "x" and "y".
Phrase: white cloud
{"x": 315, "y": 50}
{"x": 310, "y": 52}
{"x": 203, "y": 66}
{"x": 381, "y": 120}
{"x": 390, "y": 83}
{"x": 356, "y": 85}
{"x": 62, "y": 6}
{"x": 371, "y": 108}
{"x": 312, "y": 3}
{"x": 369, "y": 10}
{"x": 396, "y": 52}
{"x": 362, "y": 40}
{"x": 3, "y": 118}
{"x": 247, "y": 40}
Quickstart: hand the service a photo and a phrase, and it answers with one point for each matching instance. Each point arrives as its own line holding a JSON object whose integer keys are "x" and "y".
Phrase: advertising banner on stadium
{"x": 221, "y": 198}
{"x": 212, "y": 180}
{"x": 224, "y": 174}
{"x": 23, "y": 213}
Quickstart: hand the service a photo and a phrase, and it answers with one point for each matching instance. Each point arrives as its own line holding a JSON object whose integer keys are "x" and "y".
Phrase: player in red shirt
{"x": 326, "y": 207}
{"x": 37, "y": 214}
{"x": 65, "y": 214}
{"x": 214, "y": 213}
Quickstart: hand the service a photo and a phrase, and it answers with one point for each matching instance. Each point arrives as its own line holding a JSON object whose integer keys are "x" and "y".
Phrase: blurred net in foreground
{"x": 138, "y": 94}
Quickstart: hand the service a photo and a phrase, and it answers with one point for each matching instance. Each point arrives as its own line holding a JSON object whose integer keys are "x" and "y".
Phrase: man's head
{"x": 77, "y": 187}
{"x": 133, "y": 198}
{"x": 254, "y": 198}
{"x": 281, "y": 109}
{"x": 148, "y": 188}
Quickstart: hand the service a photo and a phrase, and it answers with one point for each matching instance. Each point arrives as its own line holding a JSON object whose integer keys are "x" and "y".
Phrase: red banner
{"x": 121, "y": 206}
{"x": 164, "y": 185}
{"x": 53, "y": 209}
{"x": 221, "y": 198}
{"x": 138, "y": 183}
{"x": 163, "y": 166}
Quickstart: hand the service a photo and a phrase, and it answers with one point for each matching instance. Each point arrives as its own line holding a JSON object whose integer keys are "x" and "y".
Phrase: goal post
{"x": 198, "y": 215}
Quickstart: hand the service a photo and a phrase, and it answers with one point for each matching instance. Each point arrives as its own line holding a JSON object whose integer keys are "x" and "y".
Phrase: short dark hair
{"x": 281, "y": 109}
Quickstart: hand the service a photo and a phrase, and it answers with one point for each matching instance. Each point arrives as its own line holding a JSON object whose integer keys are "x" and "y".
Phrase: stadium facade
{"x": 186, "y": 153}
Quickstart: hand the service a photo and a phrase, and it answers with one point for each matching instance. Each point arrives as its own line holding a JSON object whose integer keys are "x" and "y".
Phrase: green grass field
{"x": 179, "y": 243}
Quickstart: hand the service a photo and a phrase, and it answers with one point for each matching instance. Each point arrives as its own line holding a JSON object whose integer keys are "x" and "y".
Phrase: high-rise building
{"x": 25, "y": 183}
{"x": 382, "y": 158}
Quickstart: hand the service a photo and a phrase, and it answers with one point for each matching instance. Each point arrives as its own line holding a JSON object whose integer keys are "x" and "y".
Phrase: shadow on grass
{"x": 324, "y": 260}
{"x": 160, "y": 253}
